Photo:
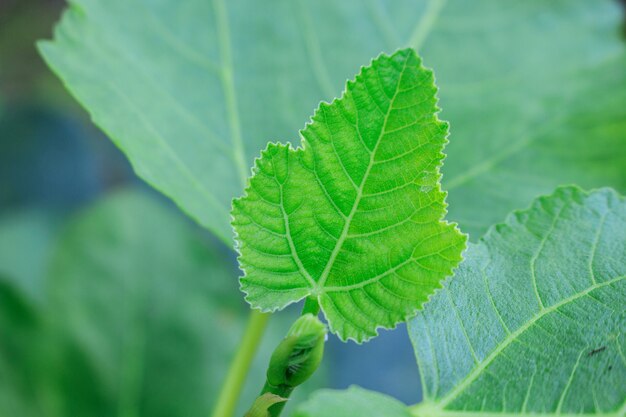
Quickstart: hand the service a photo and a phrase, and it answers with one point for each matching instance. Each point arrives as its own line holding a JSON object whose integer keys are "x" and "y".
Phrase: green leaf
{"x": 191, "y": 90}
{"x": 354, "y": 401}
{"x": 534, "y": 321}
{"x": 136, "y": 295}
{"x": 532, "y": 91}
{"x": 353, "y": 217}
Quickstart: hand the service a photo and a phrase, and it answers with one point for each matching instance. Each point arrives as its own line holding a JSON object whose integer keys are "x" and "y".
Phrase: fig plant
{"x": 350, "y": 219}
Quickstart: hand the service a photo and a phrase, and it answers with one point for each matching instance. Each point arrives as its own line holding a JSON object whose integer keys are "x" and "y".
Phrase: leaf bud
{"x": 299, "y": 354}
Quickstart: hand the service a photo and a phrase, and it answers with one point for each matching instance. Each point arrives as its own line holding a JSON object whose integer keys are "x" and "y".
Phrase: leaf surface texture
{"x": 191, "y": 91}
{"x": 353, "y": 217}
{"x": 533, "y": 322}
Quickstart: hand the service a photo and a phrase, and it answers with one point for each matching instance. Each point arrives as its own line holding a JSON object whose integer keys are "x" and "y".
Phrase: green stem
{"x": 282, "y": 391}
{"x": 227, "y": 400}
{"x": 310, "y": 306}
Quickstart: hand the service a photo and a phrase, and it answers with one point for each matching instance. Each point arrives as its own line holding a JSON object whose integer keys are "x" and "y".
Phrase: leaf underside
{"x": 354, "y": 216}
{"x": 534, "y": 319}
{"x": 534, "y": 90}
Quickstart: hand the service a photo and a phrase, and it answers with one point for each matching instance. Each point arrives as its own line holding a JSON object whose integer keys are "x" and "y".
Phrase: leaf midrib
{"x": 312, "y": 47}
{"x": 228, "y": 83}
{"x": 477, "y": 371}
{"x": 319, "y": 288}
{"x": 425, "y": 24}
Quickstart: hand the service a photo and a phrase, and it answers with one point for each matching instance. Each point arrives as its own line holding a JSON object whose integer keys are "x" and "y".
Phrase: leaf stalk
{"x": 239, "y": 367}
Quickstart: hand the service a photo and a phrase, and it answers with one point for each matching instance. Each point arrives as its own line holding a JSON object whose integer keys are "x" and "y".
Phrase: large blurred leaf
{"x": 354, "y": 217}
{"x": 192, "y": 90}
{"x": 353, "y": 402}
{"x": 534, "y": 320}
{"x": 153, "y": 312}
{"x": 534, "y": 92}
{"x": 142, "y": 317}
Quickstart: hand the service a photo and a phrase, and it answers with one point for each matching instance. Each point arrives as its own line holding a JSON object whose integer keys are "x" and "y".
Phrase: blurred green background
{"x": 111, "y": 300}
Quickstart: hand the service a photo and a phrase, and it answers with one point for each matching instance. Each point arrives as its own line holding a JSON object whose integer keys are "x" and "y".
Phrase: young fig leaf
{"x": 354, "y": 216}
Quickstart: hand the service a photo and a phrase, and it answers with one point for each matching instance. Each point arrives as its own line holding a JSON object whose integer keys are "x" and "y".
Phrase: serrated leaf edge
{"x": 302, "y": 147}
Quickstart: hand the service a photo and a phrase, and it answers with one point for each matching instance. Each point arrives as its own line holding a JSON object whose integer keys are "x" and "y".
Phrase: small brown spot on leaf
{"x": 597, "y": 350}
